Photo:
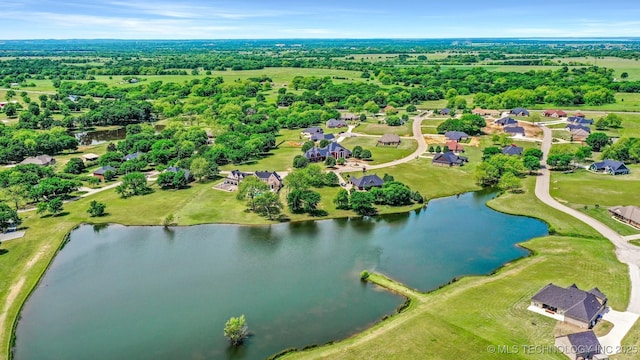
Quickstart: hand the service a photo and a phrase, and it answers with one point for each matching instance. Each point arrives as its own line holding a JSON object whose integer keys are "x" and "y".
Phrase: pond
{"x": 96, "y": 137}
{"x": 153, "y": 293}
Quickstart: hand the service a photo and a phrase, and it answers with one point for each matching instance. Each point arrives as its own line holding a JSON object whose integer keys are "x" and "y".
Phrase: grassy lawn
{"x": 630, "y": 126}
{"x": 603, "y": 215}
{"x": 373, "y": 128}
{"x": 586, "y": 188}
{"x": 381, "y": 154}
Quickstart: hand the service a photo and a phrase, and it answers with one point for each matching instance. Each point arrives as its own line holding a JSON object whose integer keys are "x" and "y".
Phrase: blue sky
{"x": 249, "y": 19}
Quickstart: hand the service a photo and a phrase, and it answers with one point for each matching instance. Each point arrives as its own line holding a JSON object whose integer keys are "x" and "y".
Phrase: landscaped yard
{"x": 586, "y": 188}
{"x": 381, "y": 154}
{"x": 371, "y": 127}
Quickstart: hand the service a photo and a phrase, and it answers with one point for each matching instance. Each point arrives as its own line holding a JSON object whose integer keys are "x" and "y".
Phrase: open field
{"x": 381, "y": 154}
{"x": 373, "y": 128}
{"x": 586, "y": 188}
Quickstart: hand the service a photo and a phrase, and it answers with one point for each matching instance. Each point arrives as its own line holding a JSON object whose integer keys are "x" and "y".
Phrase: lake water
{"x": 151, "y": 293}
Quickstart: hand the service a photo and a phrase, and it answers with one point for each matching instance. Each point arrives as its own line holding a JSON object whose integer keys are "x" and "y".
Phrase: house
{"x": 628, "y": 214}
{"x": 42, "y": 160}
{"x": 445, "y": 111}
{"x": 454, "y": 146}
{"x": 554, "y": 113}
{"x": 512, "y": 150}
{"x": 349, "y": 117}
{"x": 389, "y": 139}
{"x": 270, "y": 178}
{"x": 515, "y": 131}
{"x": 100, "y": 172}
{"x": 14, "y": 84}
{"x": 449, "y": 159}
{"x": 580, "y": 134}
{"x": 366, "y": 182}
{"x": 90, "y": 157}
{"x": 506, "y": 121}
{"x": 572, "y": 127}
{"x": 580, "y": 346}
{"x": 577, "y": 307}
{"x": 611, "y": 167}
{"x": 334, "y": 123}
{"x": 456, "y": 135}
{"x": 135, "y": 155}
{"x": 578, "y": 114}
{"x": 579, "y": 120}
{"x": 235, "y": 177}
{"x": 519, "y": 112}
{"x": 73, "y": 98}
{"x": 312, "y": 130}
{"x": 134, "y": 81}
{"x": 334, "y": 149}
{"x": 175, "y": 169}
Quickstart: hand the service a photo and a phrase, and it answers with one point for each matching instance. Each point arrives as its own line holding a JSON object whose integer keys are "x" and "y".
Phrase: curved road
{"x": 627, "y": 253}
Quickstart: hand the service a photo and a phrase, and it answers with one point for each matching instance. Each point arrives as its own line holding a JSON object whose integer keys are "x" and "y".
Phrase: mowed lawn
{"x": 371, "y": 127}
{"x": 381, "y": 154}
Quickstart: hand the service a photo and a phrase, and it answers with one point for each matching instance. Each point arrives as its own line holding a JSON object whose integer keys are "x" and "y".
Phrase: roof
{"x": 556, "y": 112}
{"x": 514, "y": 129}
{"x": 104, "y": 169}
{"x": 367, "y": 181}
{"x": 389, "y": 138}
{"x": 455, "y": 135}
{"x": 609, "y": 164}
{"x": 506, "y": 121}
{"x": 574, "y": 126}
{"x": 512, "y": 150}
{"x": 38, "y": 160}
{"x": 449, "y": 158}
{"x": 445, "y": 111}
{"x": 336, "y": 123}
{"x": 349, "y": 116}
{"x": 135, "y": 155}
{"x": 579, "y": 120}
{"x": 518, "y": 111}
{"x": 333, "y": 147}
{"x": 267, "y": 174}
{"x": 584, "y": 342}
{"x": 175, "y": 169}
{"x": 239, "y": 174}
{"x": 580, "y": 132}
{"x": 577, "y": 304}
{"x": 312, "y": 130}
{"x": 454, "y": 146}
{"x": 90, "y": 156}
{"x": 628, "y": 212}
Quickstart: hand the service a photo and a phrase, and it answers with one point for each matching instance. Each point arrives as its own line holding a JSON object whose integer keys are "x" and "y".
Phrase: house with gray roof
{"x": 611, "y": 167}
{"x": 235, "y": 177}
{"x": 512, "y": 150}
{"x": 334, "y": 149}
{"x": 515, "y": 131}
{"x": 580, "y": 346}
{"x": 133, "y": 156}
{"x": 456, "y": 135}
{"x": 42, "y": 160}
{"x": 519, "y": 112}
{"x": 99, "y": 173}
{"x": 445, "y": 111}
{"x": 349, "y": 117}
{"x": 312, "y": 130}
{"x": 506, "y": 121}
{"x": 580, "y": 134}
{"x": 389, "y": 139}
{"x": 449, "y": 159}
{"x": 366, "y": 182}
{"x": 175, "y": 169}
{"x": 577, "y": 307}
{"x": 628, "y": 214}
{"x": 579, "y": 120}
{"x": 270, "y": 178}
{"x": 572, "y": 127}
{"x": 336, "y": 123}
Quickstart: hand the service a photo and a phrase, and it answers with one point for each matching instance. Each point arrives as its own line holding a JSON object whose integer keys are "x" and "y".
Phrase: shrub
{"x": 364, "y": 275}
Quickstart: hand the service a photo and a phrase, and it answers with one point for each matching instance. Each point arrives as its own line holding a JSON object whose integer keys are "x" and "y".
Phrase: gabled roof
{"x": 579, "y": 120}
{"x": 175, "y": 169}
{"x": 90, "y": 157}
{"x": 514, "y": 130}
{"x": 367, "y": 181}
{"x": 237, "y": 174}
{"x": 628, "y": 212}
{"x": 506, "y": 121}
{"x": 573, "y": 126}
{"x": 454, "y": 146}
{"x": 38, "y": 160}
{"x": 555, "y": 112}
{"x": 267, "y": 174}
{"x": 349, "y": 116}
{"x": 135, "y": 155}
{"x": 609, "y": 164}
{"x": 512, "y": 150}
{"x": 577, "y": 304}
{"x": 312, "y": 130}
{"x": 456, "y": 135}
{"x": 449, "y": 158}
{"x": 444, "y": 111}
{"x": 104, "y": 169}
{"x": 580, "y": 132}
{"x": 519, "y": 111}
{"x": 584, "y": 344}
{"x": 336, "y": 123}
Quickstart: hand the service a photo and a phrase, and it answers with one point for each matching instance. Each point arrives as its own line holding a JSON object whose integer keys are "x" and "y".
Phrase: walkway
{"x": 627, "y": 253}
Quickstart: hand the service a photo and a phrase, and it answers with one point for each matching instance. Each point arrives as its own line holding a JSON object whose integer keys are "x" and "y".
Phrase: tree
{"x": 510, "y": 182}
{"x": 341, "y": 161}
{"x": 8, "y": 217}
{"x": 133, "y": 184}
{"x": 299, "y": 162}
{"x": 109, "y": 175}
{"x": 560, "y": 161}
{"x": 251, "y": 187}
{"x": 202, "y": 169}
{"x": 236, "y": 330}
{"x": 179, "y": 179}
{"x": 11, "y": 110}
{"x": 614, "y": 120}
{"x": 598, "y": 140}
{"x": 396, "y": 194}
{"x": 602, "y": 124}
{"x": 331, "y": 179}
{"x": 54, "y": 206}
{"x": 268, "y": 204}
{"x": 624, "y": 75}
{"x": 165, "y": 180}
{"x": 74, "y": 166}
{"x": 531, "y": 162}
{"x": 303, "y": 201}
{"x": 394, "y": 121}
{"x": 366, "y": 154}
{"x": 583, "y": 152}
{"x": 357, "y": 151}
{"x": 330, "y": 161}
{"x": 362, "y": 203}
{"x": 533, "y": 152}
{"x": 431, "y": 149}
{"x": 96, "y": 209}
{"x": 341, "y": 200}
{"x": 111, "y": 147}
{"x": 411, "y": 108}
{"x": 307, "y": 146}
{"x": 324, "y": 143}
{"x": 438, "y": 149}
{"x": 388, "y": 178}
{"x": 490, "y": 151}
{"x": 297, "y": 180}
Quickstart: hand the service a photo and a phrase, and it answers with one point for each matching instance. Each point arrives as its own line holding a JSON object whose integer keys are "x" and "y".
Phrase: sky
{"x": 264, "y": 19}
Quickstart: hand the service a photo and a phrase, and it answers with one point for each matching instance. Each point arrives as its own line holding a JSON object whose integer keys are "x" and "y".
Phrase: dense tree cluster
{"x": 17, "y": 144}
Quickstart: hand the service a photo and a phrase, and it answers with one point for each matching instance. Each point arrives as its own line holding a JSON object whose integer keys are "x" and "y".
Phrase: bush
{"x": 300, "y": 162}
{"x": 364, "y": 275}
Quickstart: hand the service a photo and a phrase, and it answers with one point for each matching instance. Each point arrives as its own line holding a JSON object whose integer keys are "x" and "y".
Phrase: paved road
{"x": 626, "y": 252}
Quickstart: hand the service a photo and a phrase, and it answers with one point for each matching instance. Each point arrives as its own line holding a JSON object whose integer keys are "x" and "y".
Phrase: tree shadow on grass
{"x": 3, "y": 251}
{"x": 318, "y": 213}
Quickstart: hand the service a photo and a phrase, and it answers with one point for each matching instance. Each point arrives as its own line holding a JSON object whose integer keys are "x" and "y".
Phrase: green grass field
{"x": 371, "y": 127}
{"x": 381, "y": 154}
{"x": 586, "y": 188}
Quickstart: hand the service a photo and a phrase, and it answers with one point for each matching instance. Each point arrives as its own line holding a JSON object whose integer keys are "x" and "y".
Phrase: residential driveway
{"x": 622, "y": 323}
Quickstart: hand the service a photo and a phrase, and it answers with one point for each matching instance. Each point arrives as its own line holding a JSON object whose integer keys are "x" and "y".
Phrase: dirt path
{"x": 627, "y": 253}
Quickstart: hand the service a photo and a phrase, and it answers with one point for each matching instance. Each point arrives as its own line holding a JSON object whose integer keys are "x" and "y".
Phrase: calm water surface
{"x": 150, "y": 293}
